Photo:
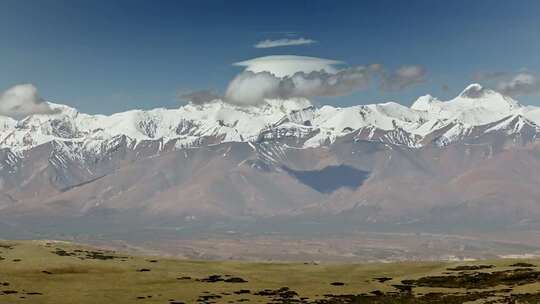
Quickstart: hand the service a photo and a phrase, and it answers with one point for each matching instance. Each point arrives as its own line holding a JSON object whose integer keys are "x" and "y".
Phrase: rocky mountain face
{"x": 467, "y": 163}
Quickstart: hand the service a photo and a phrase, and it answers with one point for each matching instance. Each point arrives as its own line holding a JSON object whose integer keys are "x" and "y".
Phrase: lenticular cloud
{"x": 287, "y": 65}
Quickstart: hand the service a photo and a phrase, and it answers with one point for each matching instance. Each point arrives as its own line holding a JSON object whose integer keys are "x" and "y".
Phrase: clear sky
{"x": 113, "y": 55}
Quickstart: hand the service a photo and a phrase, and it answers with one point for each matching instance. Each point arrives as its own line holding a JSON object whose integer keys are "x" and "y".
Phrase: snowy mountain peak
{"x": 423, "y": 103}
{"x": 479, "y": 97}
{"x": 472, "y": 91}
{"x": 475, "y": 105}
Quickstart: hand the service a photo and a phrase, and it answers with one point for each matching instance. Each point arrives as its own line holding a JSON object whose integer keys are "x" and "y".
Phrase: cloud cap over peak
{"x": 288, "y": 65}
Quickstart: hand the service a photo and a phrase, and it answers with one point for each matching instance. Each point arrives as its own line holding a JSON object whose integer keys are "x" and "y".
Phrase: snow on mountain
{"x": 512, "y": 124}
{"x": 474, "y": 106}
{"x": 297, "y": 118}
{"x": 187, "y": 123}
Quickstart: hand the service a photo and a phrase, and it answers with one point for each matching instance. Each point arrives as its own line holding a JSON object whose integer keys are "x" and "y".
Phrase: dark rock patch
{"x": 235, "y": 280}
{"x": 479, "y": 280}
{"x": 404, "y": 298}
{"x": 382, "y": 279}
{"x": 6, "y": 246}
{"x": 61, "y": 252}
{"x": 521, "y": 264}
{"x": 207, "y": 298}
{"x": 88, "y": 254}
{"x": 403, "y": 288}
{"x": 470, "y": 267}
{"x": 281, "y": 295}
{"x": 213, "y": 278}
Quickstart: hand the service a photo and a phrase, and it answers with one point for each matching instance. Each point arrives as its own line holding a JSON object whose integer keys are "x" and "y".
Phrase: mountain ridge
{"x": 473, "y": 107}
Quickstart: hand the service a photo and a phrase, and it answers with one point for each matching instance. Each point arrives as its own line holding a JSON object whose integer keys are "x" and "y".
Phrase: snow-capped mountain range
{"x": 295, "y": 118}
{"x": 433, "y": 164}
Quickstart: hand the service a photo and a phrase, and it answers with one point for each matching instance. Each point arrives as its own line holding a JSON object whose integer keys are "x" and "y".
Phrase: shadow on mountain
{"x": 330, "y": 178}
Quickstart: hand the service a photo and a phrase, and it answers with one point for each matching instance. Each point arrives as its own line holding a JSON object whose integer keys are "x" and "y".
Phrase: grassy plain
{"x": 60, "y": 272}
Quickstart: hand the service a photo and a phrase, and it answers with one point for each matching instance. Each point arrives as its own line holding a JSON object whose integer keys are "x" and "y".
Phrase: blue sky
{"x": 108, "y": 56}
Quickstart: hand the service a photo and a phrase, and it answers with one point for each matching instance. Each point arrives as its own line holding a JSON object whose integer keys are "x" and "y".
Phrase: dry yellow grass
{"x": 33, "y": 266}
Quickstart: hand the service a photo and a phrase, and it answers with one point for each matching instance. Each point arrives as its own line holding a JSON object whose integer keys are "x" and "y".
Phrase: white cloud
{"x": 523, "y": 83}
{"x": 22, "y": 100}
{"x": 322, "y": 83}
{"x": 283, "y": 42}
{"x": 287, "y": 65}
{"x": 298, "y": 76}
{"x": 513, "y": 83}
{"x": 252, "y": 88}
{"x": 403, "y": 77}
